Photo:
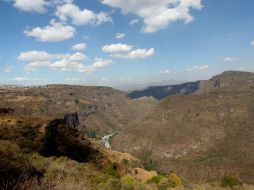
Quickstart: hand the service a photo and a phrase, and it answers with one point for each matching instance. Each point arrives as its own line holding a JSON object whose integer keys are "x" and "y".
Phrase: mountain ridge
{"x": 197, "y": 87}
{"x": 211, "y": 130}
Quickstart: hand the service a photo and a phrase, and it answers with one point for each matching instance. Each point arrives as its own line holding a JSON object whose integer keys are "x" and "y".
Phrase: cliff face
{"x": 229, "y": 80}
{"x": 202, "y": 136}
{"x": 160, "y": 92}
{"x": 72, "y": 119}
{"x": 100, "y": 109}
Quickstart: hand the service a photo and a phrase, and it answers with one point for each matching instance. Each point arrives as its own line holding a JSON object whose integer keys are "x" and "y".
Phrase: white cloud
{"x": 34, "y": 66}
{"x": 40, "y": 56}
{"x": 230, "y": 59}
{"x": 20, "y": 79}
{"x": 157, "y": 15}
{"x": 54, "y": 32}
{"x": 79, "y": 47}
{"x": 198, "y": 68}
{"x": 165, "y": 71}
{"x": 61, "y": 62}
{"x": 116, "y": 48}
{"x": 81, "y": 17}
{"x": 25, "y": 79}
{"x": 34, "y": 56}
{"x": 120, "y": 35}
{"x": 100, "y": 63}
{"x": 135, "y": 54}
{"x": 66, "y": 65}
{"x": 133, "y": 22}
{"x": 252, "y": 43}
{"x": 38, "y": 6}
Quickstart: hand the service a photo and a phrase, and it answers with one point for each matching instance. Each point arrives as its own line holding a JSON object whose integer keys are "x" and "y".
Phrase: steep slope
{"x": 227, "y": 80}
{"x": 200, "y": 136}
{"x": 160, "y": 92}
{"x": 101, "y": 109}
{"x": 40, "y": 154}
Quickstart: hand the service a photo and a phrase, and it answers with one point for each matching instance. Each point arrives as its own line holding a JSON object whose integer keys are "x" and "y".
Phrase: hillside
{"x": 39, "y": 154}
{"x": 227, "y": 80}
{"x": 101, "y": 109}
{"x": 203, "y": 136}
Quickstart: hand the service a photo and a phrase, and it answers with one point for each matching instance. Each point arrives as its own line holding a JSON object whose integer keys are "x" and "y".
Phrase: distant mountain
{"x": 202, "y": 136}
{"x": 131, "y": 87}
{"x": 227, "y": 80}
{"x": 160, "y": 92}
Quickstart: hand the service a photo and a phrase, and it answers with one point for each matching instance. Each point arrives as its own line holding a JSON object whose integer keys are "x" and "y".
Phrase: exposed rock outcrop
{"x": 6, "y": 110}
{"x": 72, "y": 119}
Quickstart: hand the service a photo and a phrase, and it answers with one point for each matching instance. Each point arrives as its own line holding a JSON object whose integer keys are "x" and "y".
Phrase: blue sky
{"x": 116, "y": 42}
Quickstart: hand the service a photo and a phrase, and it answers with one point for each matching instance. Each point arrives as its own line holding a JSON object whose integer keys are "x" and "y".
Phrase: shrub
{"x": 146, "y": 158}
{"x": 112, "y": 170}
{"x": 131, "y": 163}
{"x": 164, "y": 184}
{"x": 155, "y": 180}
{"x": 229, "y": 181}
{"x": 128, "y": 182}
{"x": 110, "y": 184}
{"x": 174, "y": 180}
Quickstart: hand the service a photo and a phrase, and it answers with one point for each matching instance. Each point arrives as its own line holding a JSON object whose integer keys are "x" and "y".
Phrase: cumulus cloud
{"x": 100, "y": 63}
{"x": 157, "y": 15}
{"x": 230, "y": 59}
{"x": 38, "y": 6}
{"x": 34, "y": 66}
{"x": 135, "y": 54}
{"x": 125, "y": 51}
{"x": 198, "y": 68}
{"x": 25, "y": 79}
{"x": 252, "y": 43}
{"x": 40, "y": 56}
{"x": 79, "y": 47}
{"x": 81, "y": 17}
{"x": 35, "y": 56}
{"x": 120, "y": 35}
{"x": 133, "y": 22}
{"x": 54, "y": 32}
{"x": 61, "y": 62}
{"x": 116, "y": 48}
{"x": 20, "y": 79}
{"x": 40, "y": 59}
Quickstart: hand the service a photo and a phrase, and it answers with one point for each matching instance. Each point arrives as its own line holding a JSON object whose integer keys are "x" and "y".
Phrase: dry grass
{"x": 23, "y": 168}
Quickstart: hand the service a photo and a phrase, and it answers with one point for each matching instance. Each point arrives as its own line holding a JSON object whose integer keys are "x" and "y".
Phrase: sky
{"x": 118, "y": 42}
